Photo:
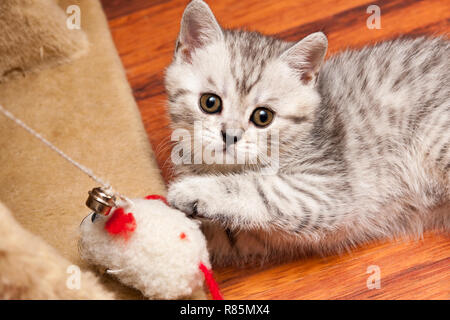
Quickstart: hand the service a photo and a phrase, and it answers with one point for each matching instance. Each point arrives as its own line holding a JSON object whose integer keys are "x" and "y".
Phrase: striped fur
{"x": 364, "y": 144}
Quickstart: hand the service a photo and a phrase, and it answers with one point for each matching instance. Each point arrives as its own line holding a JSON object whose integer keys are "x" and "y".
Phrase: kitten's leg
{"x": 234, "y": 201}
{"x": 274, "y": 216}
{"x": 257, "y": 211}
{"x": 249, "y": 201}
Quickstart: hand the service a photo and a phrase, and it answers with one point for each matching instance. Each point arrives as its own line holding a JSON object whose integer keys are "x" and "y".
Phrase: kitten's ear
{"x": 306, "y": 56}
{"x": 199, "y": 27}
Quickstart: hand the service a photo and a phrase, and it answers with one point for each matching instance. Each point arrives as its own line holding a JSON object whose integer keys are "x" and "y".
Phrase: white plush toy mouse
{"x": 151, "y": 247}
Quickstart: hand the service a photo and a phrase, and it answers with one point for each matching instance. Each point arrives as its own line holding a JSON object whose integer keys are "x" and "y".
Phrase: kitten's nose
{"x": 231, "y": 137}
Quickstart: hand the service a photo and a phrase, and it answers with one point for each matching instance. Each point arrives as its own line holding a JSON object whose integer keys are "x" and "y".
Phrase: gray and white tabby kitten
{"x": 363, "y": 139}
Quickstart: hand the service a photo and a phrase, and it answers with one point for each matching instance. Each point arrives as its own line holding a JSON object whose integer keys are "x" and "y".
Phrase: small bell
{"x": 100, "y": 201}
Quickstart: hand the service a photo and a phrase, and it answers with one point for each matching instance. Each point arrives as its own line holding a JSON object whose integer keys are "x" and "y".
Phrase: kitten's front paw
{"x": 190, "y": 195}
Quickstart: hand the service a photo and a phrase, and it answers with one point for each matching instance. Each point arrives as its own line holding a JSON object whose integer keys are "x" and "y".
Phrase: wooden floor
{"x": 144, "y": 32}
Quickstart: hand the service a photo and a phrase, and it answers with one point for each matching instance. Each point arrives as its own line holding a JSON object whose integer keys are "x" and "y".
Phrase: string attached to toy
{"x": 107, "y": 187}
{"x": 101, "y": 200}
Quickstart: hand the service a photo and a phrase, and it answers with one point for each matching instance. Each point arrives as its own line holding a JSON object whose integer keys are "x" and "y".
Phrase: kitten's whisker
{"x": 163, "y": 144}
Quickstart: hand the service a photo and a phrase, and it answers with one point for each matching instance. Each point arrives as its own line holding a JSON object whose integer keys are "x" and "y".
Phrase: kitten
{"x": 363, "y": 139}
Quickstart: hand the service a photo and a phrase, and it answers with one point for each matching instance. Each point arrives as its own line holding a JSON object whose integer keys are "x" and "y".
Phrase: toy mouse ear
{"x": 199, "y": 28}
{"x": 306, "y": 56}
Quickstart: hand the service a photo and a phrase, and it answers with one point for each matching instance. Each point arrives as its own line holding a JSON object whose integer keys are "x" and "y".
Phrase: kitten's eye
{"x": 210, "y": 103}
{"x": 262, "y": 117}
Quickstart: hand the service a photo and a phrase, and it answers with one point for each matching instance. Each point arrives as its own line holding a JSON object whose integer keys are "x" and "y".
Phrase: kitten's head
{"x": 241, "y": 85}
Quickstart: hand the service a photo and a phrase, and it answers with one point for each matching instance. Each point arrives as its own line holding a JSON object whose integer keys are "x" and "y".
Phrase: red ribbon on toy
{"x": 211, "y": 283}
